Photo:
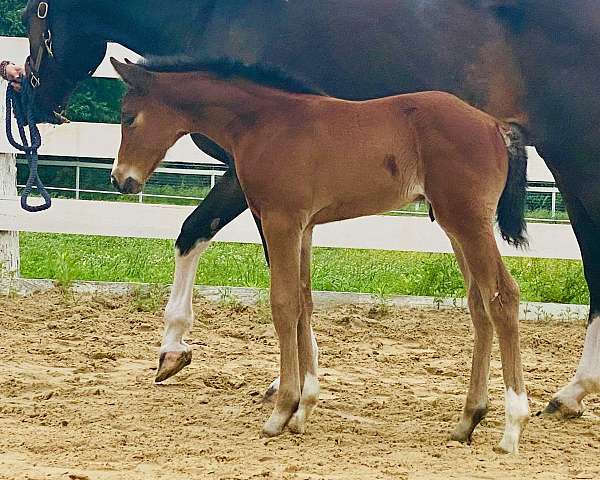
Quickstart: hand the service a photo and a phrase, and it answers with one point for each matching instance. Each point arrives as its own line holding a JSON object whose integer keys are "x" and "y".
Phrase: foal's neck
{"x": 227, "y": 110}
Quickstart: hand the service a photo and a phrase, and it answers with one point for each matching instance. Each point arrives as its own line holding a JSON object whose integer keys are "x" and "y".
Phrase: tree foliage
{"x": 97, "y": 100}
{"x": 10, "y": 18}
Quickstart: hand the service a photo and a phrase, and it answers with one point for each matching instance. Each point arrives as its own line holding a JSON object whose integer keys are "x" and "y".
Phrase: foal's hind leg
{"x": 307, "y": 351}
{"x": 500, "y": 297}
{"x": 476, "y": 404}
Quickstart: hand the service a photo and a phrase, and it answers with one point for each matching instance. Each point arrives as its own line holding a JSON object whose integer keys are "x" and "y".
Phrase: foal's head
{"x": 149, "y": 127}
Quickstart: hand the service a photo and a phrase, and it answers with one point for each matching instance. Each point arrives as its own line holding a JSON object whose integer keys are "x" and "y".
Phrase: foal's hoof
{"x": 558, "y": 409}
{"x": 270, "y": 431}
{"x": 461, "y": 435}
{"x": 270, "y": 395}
{"x": 275, "y": 424}
{"x": 170, "y": 363}
{"x": 506, "y": 449}
{"x": 297, "y": 424}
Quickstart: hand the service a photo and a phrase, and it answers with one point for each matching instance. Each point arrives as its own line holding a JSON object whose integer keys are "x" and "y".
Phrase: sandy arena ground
{"x": 77, "y": 399}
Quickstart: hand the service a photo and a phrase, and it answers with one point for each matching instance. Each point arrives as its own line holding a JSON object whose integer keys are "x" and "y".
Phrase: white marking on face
{"x": 139, "y": 119}
{"x": 179, "y": 314}
{"x": 122, "y": 173}
{"x": 517, "y": 416}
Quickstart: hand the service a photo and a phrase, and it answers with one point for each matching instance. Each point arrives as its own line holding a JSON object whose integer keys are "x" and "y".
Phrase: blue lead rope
{"x": 20, "y": 104}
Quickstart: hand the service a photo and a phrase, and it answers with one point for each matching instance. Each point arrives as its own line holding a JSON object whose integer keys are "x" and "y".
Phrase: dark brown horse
{"x": 531, "y": 61}
{"x": 302, "y": 157}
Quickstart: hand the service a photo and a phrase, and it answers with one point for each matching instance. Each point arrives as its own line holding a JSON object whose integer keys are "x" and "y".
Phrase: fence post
{"x": 77, "y": 181}
{"x": 9, "y": 241}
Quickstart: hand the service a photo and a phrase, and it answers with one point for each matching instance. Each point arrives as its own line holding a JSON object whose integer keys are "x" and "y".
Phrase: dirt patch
{"x": 77, "y": 398}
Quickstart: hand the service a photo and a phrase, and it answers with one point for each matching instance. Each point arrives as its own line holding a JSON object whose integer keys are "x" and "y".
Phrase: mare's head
{"x": 63, "y": 51}
{"x": 149, "y": 127}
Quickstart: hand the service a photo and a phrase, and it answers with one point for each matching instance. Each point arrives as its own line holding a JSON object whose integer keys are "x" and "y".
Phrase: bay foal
{"x": 304, "y": 158}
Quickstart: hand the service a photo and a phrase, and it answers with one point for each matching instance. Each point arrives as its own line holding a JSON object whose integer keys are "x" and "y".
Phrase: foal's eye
{"x": 127, "y": 119}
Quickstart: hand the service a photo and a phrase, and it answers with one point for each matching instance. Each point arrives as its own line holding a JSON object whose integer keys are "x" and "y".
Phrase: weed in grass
{"x": 149, "y": 299}
{"x": 7, "y": 281}
{"x": 65, "y": 275}
{"x": 382, "y": 306}
{"x": 263, "y": 306}
{"x": 65, "y": 272}
{"x": 568, "y": 315}
{"x": 228, "y": 300}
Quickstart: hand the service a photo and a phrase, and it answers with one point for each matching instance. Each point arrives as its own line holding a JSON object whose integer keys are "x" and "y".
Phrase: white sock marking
{"x": 517, "y": 415}
{"x": 308, "y": 401}
{"x": 588, "y": 372}
{"x": 274, "y": 387}
{"x": 178, "y": 312}
{"x": 587, "y": 377}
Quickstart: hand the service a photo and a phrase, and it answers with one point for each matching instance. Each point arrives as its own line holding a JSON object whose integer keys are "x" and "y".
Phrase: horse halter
{"x": 44, "y": 53}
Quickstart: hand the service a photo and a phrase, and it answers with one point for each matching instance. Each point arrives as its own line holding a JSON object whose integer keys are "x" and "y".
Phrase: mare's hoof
{"x": 558, "y": 409}
{"x": 170, "y": 363}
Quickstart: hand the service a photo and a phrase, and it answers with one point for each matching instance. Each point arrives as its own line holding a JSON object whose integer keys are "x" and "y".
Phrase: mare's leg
{"x": 476, "y": 404}
{"x": 284, "y": 241}
{"x": 568, "y": 402}
{"x": 307, "y": 347}
{"x": 223, "y": 203}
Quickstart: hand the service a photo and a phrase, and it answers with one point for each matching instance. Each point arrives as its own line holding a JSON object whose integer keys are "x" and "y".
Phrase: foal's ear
{"x": 135, "y": 76}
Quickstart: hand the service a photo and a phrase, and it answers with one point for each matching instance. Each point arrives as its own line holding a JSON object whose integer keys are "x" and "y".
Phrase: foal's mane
{"x": 229, "y": 68}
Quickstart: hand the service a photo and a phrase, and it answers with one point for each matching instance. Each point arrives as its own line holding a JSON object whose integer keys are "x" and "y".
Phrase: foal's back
{"x": 360, "y": 158}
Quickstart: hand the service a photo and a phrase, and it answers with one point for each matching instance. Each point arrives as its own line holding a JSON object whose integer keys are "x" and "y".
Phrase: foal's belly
{"x": 373, "y": 192}
{"x": 344, "y": 210}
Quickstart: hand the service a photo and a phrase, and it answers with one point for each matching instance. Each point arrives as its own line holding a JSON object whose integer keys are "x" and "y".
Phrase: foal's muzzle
{"x": 131, "y": 185}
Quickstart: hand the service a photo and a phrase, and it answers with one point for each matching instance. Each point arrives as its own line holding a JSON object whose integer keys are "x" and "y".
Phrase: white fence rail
{"x": 164, "y": 221}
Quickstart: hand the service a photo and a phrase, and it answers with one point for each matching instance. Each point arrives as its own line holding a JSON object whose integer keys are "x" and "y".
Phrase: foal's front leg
{"x": 307, "y": 347}
{"x": 284, "y": 243}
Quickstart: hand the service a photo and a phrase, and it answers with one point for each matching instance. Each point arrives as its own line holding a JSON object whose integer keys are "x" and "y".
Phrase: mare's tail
{"x": 511, "y": 207}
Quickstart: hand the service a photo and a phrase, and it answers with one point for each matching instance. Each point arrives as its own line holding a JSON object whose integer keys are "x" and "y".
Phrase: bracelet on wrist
{"x": 3, "y": 66}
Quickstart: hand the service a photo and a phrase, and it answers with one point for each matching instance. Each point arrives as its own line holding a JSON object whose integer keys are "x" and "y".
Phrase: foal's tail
{"x": 511, "y": 207}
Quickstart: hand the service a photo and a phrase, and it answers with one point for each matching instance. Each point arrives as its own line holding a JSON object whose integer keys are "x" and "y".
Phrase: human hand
{"x": 13, "y": 73}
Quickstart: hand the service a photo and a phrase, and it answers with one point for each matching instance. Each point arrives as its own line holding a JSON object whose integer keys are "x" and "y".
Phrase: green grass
{"x": 77, "y": 257}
